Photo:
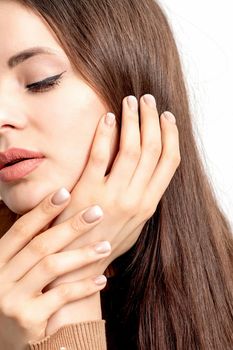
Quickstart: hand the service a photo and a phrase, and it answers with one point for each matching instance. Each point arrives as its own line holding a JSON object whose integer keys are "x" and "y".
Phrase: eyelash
{"x": 46, "y": 84}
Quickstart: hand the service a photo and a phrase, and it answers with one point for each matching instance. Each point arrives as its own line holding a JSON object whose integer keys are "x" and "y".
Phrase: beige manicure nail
{"x": 102, "y": 247}
{"x": 92, "y": 214}
{"x": 132, "y": 103}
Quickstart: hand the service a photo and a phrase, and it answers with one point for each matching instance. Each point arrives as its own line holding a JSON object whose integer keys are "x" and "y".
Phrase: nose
{"x": 11, "y": 116}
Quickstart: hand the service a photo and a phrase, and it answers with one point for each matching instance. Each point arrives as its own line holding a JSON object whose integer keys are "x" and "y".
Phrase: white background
{"x": 203, "y": 32}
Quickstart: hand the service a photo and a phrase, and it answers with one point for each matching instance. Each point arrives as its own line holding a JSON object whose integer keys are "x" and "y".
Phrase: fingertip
{"x": 109, "y": 119}
{"x": 60, "y": 197}
{"x": 168, "y": 116}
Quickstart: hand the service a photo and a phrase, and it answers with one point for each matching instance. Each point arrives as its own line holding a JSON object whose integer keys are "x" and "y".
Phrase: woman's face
{"x": 60, "y": 122}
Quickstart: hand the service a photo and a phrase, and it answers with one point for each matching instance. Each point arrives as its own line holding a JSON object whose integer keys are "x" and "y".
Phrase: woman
{"x": 170, "y": 265}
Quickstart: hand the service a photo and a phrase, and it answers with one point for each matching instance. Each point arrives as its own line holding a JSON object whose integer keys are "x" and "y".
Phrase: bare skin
{"x": 24, "y": 309}
{"x": 129, "y": 194}
{"x": 142, "y": 170}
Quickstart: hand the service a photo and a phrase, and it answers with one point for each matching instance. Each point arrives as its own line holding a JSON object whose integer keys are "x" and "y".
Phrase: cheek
{"x": 70, "y": 142}
{"x": 73, "y": 112}
{"x": 69, "y": 134}
{"x": 69, "y": 123}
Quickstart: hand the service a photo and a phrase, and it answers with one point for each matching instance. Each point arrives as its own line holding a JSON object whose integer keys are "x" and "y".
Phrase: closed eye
{"x": 46, "y": 84}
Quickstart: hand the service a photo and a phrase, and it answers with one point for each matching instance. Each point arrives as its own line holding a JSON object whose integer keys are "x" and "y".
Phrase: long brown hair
{"x": 174, "y": 288}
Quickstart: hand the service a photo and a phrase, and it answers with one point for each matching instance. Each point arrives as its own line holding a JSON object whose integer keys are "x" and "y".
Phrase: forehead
{"x": 21, "y": 28}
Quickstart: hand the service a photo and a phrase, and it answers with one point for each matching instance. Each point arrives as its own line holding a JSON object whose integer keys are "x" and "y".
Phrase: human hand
{"x": 29, "y": 261}
{"x": 130, "y": 193}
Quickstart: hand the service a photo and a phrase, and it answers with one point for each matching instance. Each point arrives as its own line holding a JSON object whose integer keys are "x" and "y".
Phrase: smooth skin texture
{"x": 142, "y": 170}
{"x": 24, "y": 309}
{"x": 128, "y": 195}
{"x": 60, "y": 122}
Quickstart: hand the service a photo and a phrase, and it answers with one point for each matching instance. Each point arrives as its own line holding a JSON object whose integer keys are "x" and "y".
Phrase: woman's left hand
{"x": 130, "y": 193}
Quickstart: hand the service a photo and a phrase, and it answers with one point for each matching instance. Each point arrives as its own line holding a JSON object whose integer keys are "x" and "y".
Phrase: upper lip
{"x": 17, "y": 153}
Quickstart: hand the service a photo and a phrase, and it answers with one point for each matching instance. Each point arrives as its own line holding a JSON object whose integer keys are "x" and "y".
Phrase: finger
{"x": 44, "y": 244}
{"x": 56, "y": 265}
{"x": 28, "y": 225}
{"x": 169, "y": 160}
{"x": 53, "y": 300}
{"x": 130, "y": 146}
{"x": 100, "y": 152}
{"x": 151, "y": 145}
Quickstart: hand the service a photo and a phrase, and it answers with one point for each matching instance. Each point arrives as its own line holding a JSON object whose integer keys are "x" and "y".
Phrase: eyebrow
{"x": 28, "y": 53}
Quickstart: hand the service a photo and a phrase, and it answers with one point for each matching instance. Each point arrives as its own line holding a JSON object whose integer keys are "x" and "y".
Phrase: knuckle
{"x": 78, "y": 225}
{"x": 26, "y": 319}
{"x": 130, "y": 153}
{"x": 176, "y": 159}
{"x": 173, "y": 157}
{"x": 88, "y": 287}
{"x": 86, "y": 256}
{"x": 39, "y": 247}
{"x": 103, "y": 132}
{"x": 6, "y": 307}
{"x": 153, "y": 148}
{"x": 47, "y": 207}
{"x": 149, "y": 213}
{"x": 50, "y": 265}
{"x": 64, "y": 292}
{"x": 98, "y": 158}
{"x": 126, "y": 206}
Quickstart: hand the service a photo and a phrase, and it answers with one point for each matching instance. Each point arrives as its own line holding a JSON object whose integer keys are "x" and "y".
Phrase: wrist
{"x": 86, "y": 309}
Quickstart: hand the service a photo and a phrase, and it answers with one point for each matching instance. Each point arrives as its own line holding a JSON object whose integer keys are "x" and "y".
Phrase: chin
{"x": 19, "y": 207}
{"x": 22, "y": 201}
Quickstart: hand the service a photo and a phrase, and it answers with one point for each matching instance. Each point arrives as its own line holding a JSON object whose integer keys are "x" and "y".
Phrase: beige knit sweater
{"x": 89, "y": 335}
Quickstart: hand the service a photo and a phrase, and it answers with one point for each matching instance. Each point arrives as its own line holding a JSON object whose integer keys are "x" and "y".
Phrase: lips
{"x": 15, "y": 155}
{"x": 15, "y": 161}
{"x": 19, "y": 170}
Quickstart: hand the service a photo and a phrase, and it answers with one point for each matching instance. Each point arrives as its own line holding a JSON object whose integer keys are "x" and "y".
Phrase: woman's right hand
{"x": 29, "y": 260}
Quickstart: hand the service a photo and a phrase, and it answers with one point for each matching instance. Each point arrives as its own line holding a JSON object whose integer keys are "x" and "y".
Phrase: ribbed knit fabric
{"x": 89, "y": 335}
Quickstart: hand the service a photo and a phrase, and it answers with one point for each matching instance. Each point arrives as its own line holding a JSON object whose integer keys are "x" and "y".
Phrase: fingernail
{"x": 102, "y": 247}
{"x": 169, "y": 116}
{"x": 100, "y": 279}
{"x": 109, "y": 119}
{"x": 132, "y": 103}
{"x": 149, "y": 100}
{"x": 60, "y": 196}
{"x": 92, "y": 214}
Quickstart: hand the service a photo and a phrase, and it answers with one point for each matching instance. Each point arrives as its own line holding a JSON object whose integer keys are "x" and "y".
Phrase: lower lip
{"x": 19, "y": 170}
